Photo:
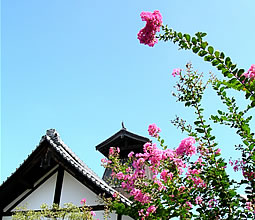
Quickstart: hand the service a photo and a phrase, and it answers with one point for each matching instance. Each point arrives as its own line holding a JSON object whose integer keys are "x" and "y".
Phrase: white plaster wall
{"x": 43, "y": 194}
{"x": 100, "y": 216}
{"x": 74, "y": 191}
{"x": 7, "y": 218}
{"x": 112, "y": 216}
{"x": 124, "y": 217}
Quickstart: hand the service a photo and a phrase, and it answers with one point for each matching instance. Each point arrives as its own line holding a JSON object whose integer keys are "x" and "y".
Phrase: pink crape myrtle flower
{"x": 176, "y": 72}
{"x": 131, "y": 154}
{"x": 93, "y": 213}
{"x": 189, "y": 205}
{"x": 139, "y": 196}
{"x": 83, "y": 201}
{"x": 140, "y": 212}
{"x": 115, "y": 195}
{"x": 248, "y": 205}
{"x": 151, "y": 209}
{"x": 111, "y": 151}
{"x": 120, "y": 176}
{"x": 153, "y": 130}
{"x": 212, "y": 203}
{"x": 153, "y": 24}
{"x": 165, "y": 175}
{"x": 186, "y": 147}
{"x": 250, "y": 74}
{"x": 105, "y": 162}
{"x": 198, "y": 200}
{"x": 217, "y": 152}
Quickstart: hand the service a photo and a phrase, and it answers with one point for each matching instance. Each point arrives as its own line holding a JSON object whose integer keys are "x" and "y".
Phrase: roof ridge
{"x": 54, "y": 138}
{"x": 54, "y": 135}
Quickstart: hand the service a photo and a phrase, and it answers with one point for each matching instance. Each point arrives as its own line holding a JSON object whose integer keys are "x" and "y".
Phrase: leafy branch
{"x": 218, "y": 59}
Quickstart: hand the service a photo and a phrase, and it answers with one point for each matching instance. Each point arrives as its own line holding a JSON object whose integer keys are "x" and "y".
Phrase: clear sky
{"x": 78, "y": 67}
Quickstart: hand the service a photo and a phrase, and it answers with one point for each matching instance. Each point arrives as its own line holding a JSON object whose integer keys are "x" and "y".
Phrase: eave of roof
{"x": 53, "y": 138}
{"x": 121, "y": 133}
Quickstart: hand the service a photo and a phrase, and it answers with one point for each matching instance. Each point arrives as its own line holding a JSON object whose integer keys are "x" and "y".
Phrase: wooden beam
{"x": 59, "y": 184}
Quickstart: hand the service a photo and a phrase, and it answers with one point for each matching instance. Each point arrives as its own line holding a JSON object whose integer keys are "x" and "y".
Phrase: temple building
{"x": 52, "y": 173}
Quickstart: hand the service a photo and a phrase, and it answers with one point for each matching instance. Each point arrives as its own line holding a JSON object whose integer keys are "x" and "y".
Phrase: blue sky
{"x": 78, "y": 67}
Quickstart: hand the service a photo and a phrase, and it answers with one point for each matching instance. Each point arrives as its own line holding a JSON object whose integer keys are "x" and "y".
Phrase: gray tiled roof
{"x": 53, "y": 138}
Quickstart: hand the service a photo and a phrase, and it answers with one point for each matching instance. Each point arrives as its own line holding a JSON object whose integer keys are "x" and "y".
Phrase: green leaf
{"x": 202, "y": 53}
{"x": 217, "y": 53}
{"x": 204, "y": 44}
{"x": 220, "y": 112}
{"x": 240, "y": 72}
{"x": 208, "y": 58}
{"x": 227, "y": 60}
{"x": 194, "y": 40}
{"x": 233, "y": 81}
{"x": 187, "y": 36}
{"x": 233, "y": 66}
{"x": 197, "y": 122}
{"x": 220, "y": 66}
{"x": 252, "y": 103}
{"x": 195, "y": 49}
{"x": 180, "y": 35}
{"x": 222, "y": 55}
{"x": 210, "y": 50}
{"x": 203, "y": 34}
{"x": 199, "y": 130}
{"x": 215, "y": 62}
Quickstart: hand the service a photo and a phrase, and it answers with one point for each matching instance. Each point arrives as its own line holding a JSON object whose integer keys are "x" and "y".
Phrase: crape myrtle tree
{"x": 191, "y": 181}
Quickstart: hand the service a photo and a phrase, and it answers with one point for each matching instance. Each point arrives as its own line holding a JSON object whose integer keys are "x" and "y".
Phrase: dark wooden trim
{"x": 58, "y": 187}
{"x": 93, "y": 207}
{"x": 32, "y": 190}
{"x": 119, "y": 217}
{"x": 97, "y": 207}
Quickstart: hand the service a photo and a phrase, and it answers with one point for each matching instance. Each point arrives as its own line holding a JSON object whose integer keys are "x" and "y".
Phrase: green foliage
{"x": 220, "y": 189}
{"x": 215, "y": 57}
{"x": 68, "y": 212}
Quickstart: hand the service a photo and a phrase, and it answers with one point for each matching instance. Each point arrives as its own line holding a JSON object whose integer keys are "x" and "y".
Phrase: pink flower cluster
{"x": 250, "y": 74}
{"x": 198, "y": 200}
{"x": 249, "y": 206}
{"x": 153, "y": 130}
{"x": 176, "y": 72}
{"x": 186, "y": 147}
{"x": 165, "y": 175}
{"x": 139, "y": 196}
{"x": 189, "y": 205}
{"x": 151, "y": 209}
{"x": 153, "y": 24}
{"x": 193, "y": 175}
{"x": 249, "y": 175}
{"x": 237, "y": 165}
{"x": 241, "y": 165}
{"x": 113, "y": 150}
{"x": 212, "y": 203}
{"x": 165, "y": 166}
{"x": 105, "y": 162}
{"x": 83, "y": 201}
